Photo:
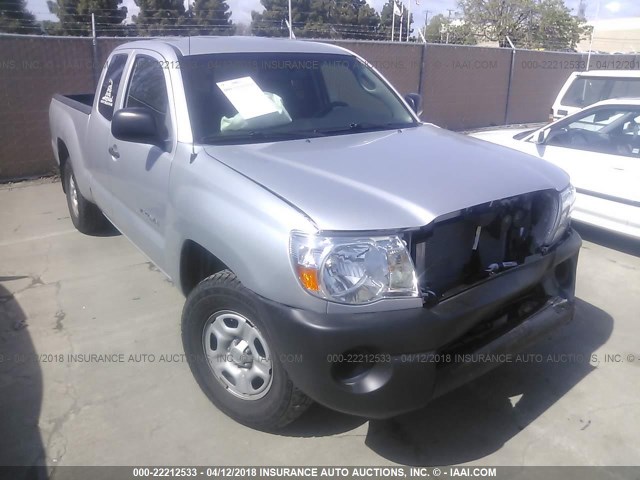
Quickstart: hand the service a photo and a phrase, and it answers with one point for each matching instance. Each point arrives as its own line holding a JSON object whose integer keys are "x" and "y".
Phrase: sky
{"x": 609, "y": 9}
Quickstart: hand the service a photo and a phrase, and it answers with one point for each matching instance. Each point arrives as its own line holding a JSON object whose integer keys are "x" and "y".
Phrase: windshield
{"x": 258, "y": 97}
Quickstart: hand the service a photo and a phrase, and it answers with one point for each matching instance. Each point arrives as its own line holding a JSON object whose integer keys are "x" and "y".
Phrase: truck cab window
{"x": 587, "y": 91}
{"x": 110, "y": 85}
{"x": 147, "y": 89}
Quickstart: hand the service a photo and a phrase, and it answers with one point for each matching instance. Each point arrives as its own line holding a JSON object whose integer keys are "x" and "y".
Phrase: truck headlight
{"x": 559, "y": 226}
{"x": 353, "y": 270}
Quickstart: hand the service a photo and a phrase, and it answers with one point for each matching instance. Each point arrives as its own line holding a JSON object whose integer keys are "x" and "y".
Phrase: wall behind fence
{"x": 31, "y": 71}
{"x": 463, "y": 87}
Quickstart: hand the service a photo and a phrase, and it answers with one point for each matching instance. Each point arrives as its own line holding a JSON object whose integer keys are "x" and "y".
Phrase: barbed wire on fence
{"x": 188, "y": 23}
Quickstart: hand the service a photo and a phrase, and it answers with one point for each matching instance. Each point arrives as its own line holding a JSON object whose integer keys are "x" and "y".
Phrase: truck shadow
{"x": 108, "y": 231}
{"x": 20, "y": 392}
{"x": 319, "y": 421}
{"x": 477, "y": 419}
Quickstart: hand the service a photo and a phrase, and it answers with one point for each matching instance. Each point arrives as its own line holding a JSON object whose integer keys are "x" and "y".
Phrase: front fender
{"x": 241, "y": 223}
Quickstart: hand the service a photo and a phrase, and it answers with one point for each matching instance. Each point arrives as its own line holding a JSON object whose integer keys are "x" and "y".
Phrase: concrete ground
{"x": 63, "y": 293}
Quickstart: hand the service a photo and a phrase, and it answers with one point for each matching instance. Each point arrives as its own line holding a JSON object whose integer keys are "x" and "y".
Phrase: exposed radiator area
{"x": 462, "y": 248}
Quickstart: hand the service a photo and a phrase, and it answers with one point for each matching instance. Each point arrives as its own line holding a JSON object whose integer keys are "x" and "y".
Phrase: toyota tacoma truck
{"x": 331, "y": 246}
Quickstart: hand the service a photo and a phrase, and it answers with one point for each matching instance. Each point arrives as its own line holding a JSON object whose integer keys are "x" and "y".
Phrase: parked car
{"x": 586, "y": 88}
{"x": 330, "y": 245}
{"x": 600, "y": 149}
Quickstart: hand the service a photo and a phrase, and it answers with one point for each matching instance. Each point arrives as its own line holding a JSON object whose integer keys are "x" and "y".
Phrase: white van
{"x": 585, "y": 88}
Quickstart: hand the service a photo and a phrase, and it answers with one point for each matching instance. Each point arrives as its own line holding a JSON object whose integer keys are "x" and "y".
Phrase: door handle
{"x": 114, "y": 151}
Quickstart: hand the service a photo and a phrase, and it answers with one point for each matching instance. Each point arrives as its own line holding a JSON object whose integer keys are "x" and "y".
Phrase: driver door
{"x": 140, "y": 172}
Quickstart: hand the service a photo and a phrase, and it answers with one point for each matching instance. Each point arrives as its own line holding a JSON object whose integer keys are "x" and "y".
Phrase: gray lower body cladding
{"x": 381, "y": 364}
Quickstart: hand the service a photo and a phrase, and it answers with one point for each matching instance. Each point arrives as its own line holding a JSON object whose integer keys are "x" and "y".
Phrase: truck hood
{"x": 390, "y": 179}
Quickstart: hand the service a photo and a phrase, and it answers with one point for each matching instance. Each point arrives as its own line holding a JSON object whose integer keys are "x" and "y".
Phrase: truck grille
{"x": 460, "y": 249}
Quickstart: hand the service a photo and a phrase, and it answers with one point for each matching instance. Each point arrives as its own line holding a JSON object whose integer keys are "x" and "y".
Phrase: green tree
{"x": 75, "y": 17}
{"x": 494, "y": 20}
{"x": 317, "y": 19}
{"x": 528, "y": 23}
{"x": 210, "y": 17}
{"x": 386, "y": 23}
{"x": 555, "y": 28}
{"x": 314, "y": 18}
{"x": 15, "y": 18}
{"x": 271, "y": 22}
{"x": 458, "y": 32}
{"x": 355, "y": 19}
{"x": 310, "y": 18}
{"x": 161, "y": 17}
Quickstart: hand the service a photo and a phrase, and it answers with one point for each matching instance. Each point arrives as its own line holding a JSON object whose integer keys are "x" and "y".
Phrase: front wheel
{"x": 232, "y": 358}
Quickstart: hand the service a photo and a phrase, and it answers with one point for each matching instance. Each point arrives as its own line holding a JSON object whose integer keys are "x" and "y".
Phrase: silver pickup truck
{"x": 330, "y": 245}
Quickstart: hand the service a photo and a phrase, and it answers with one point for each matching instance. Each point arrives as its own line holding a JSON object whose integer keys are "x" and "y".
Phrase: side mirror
{"x": 136, "y": 125}
{"x": 415, "y": 102}
{"x": 542, "y": 136}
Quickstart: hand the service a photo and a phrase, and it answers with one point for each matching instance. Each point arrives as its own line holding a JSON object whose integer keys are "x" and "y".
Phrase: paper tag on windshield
{"x": 245, "y": 95}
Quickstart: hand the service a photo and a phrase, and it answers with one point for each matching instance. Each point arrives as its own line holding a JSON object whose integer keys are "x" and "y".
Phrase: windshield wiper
{"x": 366, "y": 127}
{"x": 256, "y": 137}
{"x": 261, "y": 136}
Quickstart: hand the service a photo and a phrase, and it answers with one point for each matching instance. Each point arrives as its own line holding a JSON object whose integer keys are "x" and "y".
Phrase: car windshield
{"x": 609, "y": 129}
{"x": 258, "y": 97}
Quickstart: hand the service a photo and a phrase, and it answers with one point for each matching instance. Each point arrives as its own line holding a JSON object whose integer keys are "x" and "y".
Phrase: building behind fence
{"x": 462, "y": 87}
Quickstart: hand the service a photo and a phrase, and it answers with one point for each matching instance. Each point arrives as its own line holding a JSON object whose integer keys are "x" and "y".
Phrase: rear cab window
{"x": 586, "y": 91}
{"x": 626, "y": 88}
{"x": 110, "y": 85}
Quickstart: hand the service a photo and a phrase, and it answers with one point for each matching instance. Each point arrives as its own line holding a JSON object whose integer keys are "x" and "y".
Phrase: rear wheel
{"x": 232, "y": 358}
{"x": 86, "y": 216}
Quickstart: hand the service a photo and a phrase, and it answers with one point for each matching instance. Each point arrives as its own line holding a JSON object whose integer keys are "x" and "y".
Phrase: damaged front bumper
{"x": 381, "y": 364}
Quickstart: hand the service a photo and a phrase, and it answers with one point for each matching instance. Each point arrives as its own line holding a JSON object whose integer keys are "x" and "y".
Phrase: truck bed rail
{"x": 82, "y": 102}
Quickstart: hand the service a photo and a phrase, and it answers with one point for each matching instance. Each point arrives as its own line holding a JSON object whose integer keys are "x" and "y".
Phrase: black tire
{"x": 283, "y": 402}
{"x": 88, "y": 218}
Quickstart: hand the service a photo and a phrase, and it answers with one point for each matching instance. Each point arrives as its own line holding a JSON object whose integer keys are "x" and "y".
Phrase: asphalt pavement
{"x": 92, "y": 372}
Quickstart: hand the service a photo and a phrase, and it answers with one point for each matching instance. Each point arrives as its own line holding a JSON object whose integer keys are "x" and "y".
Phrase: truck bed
{"x": 69, "y": 117}
{"x": 82, "y": 102}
